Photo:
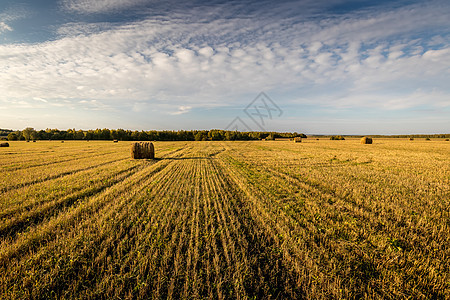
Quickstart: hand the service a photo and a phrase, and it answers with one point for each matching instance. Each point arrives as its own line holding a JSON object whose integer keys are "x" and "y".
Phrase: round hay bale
{"x": 366, "y": 140}
{"x": 4, "y": 144}
{"x": 447, "y": 140}
{"x": 34, "y": 141}
{"x": 115, "y": 141}
{"x": 298, "y": 139}
{"x": 411, "y": 139}
{"x": 142, "y": 150}
{"x": 62, "y": 141}
{"x": 337, "y": 138}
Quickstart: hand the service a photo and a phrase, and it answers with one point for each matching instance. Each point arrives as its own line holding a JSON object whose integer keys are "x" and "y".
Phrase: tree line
{"x": 153, "y": 135}
{"x": 30, "y": 133}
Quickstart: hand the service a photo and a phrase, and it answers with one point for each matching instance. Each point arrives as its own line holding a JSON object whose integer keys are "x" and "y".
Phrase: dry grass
{"x": 226, "y": 220}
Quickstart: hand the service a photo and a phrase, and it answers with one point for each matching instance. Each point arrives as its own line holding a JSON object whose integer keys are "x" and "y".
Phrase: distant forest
{"x": 168, "y": 135}
{"x": 152, "y": 135}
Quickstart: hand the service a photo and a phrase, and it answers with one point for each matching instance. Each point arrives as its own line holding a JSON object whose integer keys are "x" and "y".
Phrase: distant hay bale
{"x": 4, "y": 144}
{"x": 115, "y": 141}
{"x": 366, "y": 140}
{"x": 34, "y": 141}
{"x": 427, "y": 139}
{"x": 142, "y": 150}
{"x": 411, "y": 139}
{"x": 317, "y": 139}
{"x": 62, "y": 141}
{"x": 337, "y": 138}
{"x": 446, "y": 140}
{"x": 298, "y": 139}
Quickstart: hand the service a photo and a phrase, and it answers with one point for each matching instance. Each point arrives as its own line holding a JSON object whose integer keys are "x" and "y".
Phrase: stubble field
{"x": 262, "y": 219}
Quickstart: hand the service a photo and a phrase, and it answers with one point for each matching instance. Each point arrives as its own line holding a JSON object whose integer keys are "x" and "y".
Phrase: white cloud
{"x": 177, "y": 62}
{"x": 4, "y": 27}
{"x": 437, "y": 55}
{"x": 40, "y": 99}
{"x": 206, "y": 51}
{"x": 182, "y": 110}
{"x": 98, "y": 6}
{"x": 379, "y": 100}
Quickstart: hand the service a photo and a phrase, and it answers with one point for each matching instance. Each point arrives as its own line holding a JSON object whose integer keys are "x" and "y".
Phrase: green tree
{"x": 89, "y": 135}
{"x": 28, "y": 133}
{"x": 201, "y": 136}
{"x": 12, "y": 136}
{"x": 79, "y": 135}
{"x": 215, "y": 135}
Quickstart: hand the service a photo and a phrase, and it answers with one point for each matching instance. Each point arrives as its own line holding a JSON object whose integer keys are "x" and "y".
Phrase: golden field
{"x": 318, "y": 219}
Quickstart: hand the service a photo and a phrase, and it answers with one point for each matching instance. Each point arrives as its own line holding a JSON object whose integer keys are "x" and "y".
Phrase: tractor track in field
{"x": 50, "y": 163}
{"x": 124, "y": 224}
{"x": 275, "y": 230}
{"x": 118, "y": 223}
{"x": 40, "y": 180}
{"x": 59, "y": 175}
{"x": 309, "y": 225}
{"x": 84, "y": 192}
{"x": 329, "y": 204}
{"x": 51, "y": 209}
{"x": 18, "y": 246}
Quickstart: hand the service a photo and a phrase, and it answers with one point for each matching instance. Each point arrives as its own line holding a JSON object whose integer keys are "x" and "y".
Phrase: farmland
{"x": 318, "y": 219}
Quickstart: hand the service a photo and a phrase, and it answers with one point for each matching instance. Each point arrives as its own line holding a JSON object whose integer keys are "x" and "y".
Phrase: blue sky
{"x": 343, "y": 67}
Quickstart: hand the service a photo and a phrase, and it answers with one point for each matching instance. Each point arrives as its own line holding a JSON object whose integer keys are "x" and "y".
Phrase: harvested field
{"x": 233, "y": 220}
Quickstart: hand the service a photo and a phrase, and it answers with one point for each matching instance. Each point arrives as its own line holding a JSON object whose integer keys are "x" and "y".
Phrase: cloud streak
{"x": 98, "y": 6}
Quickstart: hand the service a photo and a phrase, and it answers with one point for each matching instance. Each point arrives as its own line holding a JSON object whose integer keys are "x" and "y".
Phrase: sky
{"x": 311, "y": 66}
